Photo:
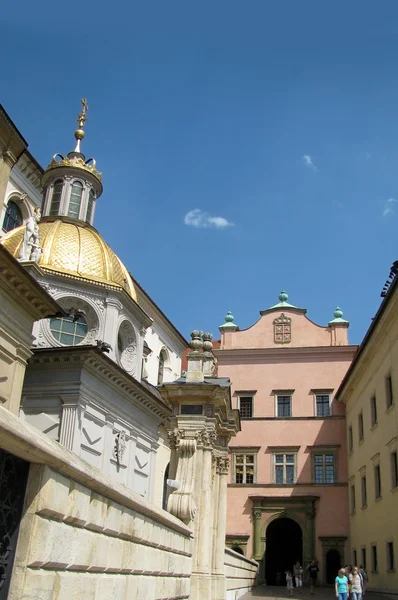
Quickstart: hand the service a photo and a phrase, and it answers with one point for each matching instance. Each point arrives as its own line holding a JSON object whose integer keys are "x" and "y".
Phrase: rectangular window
{"x": 390, "y": 556}
{"x": 350, "y": 439}
{"x": 284, "y": 406}
{"x": 352, "y": 498}
{"x": 363, "y": 553}
{"x": 284, "y": 468}
{"x": 360, "y": 426}
{"x": 389, "y": 393}
{"x": 244, "y": 468}
{"x": 322, "y": 405}
{"x": 324, "y": 468}
{"x": 364, "y": 497}
{"x": 374, "y": 558}
{"x": 354, "y": 555}
{"x": 394, "y": 469}
{"x": 246, "y": 407}
{"x": 373, "y": 410}
{"x": 377, "y": 481}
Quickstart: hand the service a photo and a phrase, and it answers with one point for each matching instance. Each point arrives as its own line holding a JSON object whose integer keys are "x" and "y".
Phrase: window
{"x": 284, "y": 468}
{"x": 354, "y": 555}
{"x": 90, "y": 205}
{"x": 67, "y": 331}
{"x": 13, "y": 216}
{"x": 284, "y": 406}
{"x": 364, "y": 497}
{"x": 374, "y": 558}
{"x": 75, "y": 199}
{"x": 390, "y": 556}
{"x": 244, "y": 468}
{"x": 377, "y": 482}
{"x": 389, "y": 393}
{"x": 353, "y": 498}
{"x": 373, "y": 410}
{"x": 246, "y": 407}
{"x": 394, "y": 469}
{"x": 191, "y": 409}
{"x": 360, "y": 426}
{"x": 350, "y": 439}
{"x": 162, "y": 360}
{"x": 56, "y": 197}
{"x": 322, "y": 405}
{"x": 363, "y": 553}
{"x": 324, "y": 468}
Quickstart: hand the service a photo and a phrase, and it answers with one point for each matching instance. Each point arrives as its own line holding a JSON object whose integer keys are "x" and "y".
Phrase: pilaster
{"x": 68, "y": 424}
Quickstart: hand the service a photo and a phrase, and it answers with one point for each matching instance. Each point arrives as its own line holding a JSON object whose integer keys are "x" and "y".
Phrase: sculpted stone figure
{"x": 30, "y": 247}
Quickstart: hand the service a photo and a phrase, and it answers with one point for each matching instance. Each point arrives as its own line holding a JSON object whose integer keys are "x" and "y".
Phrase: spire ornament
{"x": 81, "y": 119}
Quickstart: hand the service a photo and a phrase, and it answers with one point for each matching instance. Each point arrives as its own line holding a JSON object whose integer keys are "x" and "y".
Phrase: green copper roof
{"x": 338, "y": 317}
{"x": 283, "y": 303}
{"x": 229, "y": 322}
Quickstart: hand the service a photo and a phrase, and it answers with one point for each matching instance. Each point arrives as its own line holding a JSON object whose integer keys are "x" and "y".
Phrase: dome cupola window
{"x": 75, "y": 199}
{"x": 67, "y": 331}
{"x": 13, "y": 216}
{"x": 90, "y": 205}
{"x": 56, "y": 197}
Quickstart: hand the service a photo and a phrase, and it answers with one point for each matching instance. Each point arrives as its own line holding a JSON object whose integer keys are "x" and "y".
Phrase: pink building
{"x": 287, "y": 496}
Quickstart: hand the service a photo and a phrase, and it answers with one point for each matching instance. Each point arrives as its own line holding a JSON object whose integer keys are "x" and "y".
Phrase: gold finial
{"x": 81, "y": 119}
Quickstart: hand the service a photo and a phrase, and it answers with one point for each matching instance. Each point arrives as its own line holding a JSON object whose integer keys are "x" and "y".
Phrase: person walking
{"x": 289, "y": 582}
{"x": 341, "y": 586}
{"x": 356, "y": 584}
{"x": 312, "y": 571}
{"x": 298, "y": 575}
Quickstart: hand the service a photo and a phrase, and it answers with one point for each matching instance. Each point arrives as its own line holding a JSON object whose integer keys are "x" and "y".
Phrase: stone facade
{"x": 240, "y": 574}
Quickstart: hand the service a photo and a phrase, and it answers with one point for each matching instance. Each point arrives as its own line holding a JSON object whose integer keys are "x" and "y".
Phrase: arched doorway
{"x": 333, "y": 564}
{"x": 284, "y": 546}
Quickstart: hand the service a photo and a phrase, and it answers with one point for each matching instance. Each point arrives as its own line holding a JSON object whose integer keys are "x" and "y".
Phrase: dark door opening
{"x": 284, "y": 546}
{"x": 13, "y": 478}
{"x": 333, "y": 564}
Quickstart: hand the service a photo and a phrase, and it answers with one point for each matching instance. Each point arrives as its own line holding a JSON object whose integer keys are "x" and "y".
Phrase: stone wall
{"x": 240, "y": 574}
{"x": 84, "y": 536}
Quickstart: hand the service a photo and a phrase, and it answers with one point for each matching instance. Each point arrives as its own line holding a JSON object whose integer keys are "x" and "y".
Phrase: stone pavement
{"x": 321, "y": 593}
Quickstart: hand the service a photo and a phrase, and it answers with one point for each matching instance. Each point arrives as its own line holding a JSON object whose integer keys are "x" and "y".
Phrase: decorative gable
{"x": 282, "y": 330}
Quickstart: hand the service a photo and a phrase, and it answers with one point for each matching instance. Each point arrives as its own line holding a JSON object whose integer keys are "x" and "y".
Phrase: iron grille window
{"x": 360, "y": 426}
{"x": 244, "y": 468}
{"x": 284, "y": 468}
{"x": 389, "y": 392}
{"x": 373, "y": 410}
{"x": 67, "y": 331}
{"x": 394, "y": 470}
{"x": 56, "y": 197}
{"x": 374, "y": 558}
{"x": 353, "y": 498}
{"x": 324, "y": 468}
{"x": 322, "y": 405}
{"x": 13, "y": 216}
{"x": 284, "y": 406}
{"x": 246, "y": 407}
{"x": 377, "y": 482}
{"x": 390, "y": 556}
{"x": 364, "y": 492}
{"x": 75, "y": 199}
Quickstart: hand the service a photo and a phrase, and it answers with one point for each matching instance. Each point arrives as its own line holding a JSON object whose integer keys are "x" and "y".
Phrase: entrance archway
{"x": 333, "y": 564}
{"x": 284, "y": 546}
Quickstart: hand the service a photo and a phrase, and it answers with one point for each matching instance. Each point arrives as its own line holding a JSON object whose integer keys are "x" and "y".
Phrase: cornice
{"x": 250, "y": 355}
{"x": 24, "y": 289}
{"x": 106, "y": 368}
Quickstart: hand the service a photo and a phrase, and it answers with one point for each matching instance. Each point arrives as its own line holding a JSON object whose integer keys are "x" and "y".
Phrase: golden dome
{"x": 76, "y": 251}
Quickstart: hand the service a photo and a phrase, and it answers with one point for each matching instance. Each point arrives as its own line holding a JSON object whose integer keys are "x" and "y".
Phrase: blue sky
{"x": 276, "y": 122}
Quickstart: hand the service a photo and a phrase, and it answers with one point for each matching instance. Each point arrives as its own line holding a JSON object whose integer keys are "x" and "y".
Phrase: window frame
{"x": 162, "y": 360}
{"x": 373, "y": 411}
{"x": 352, "y": 497}
{"x": 324, "y": 452}
{"x": 81, "y": 320}
{"x": 322, "y": 393}
{"x": 58, "y": 210}
{"x": 82, "y": 187}
{"x": 350, "y": 439}
{"x": 389, "y": 391}
{"x": 284, "y": 452}
{"x": 363, "y": 557}
{"x": 394, "y": 469}
{"x": 364, "y": 490}
{"x": 12, "y": 202}
{"x": 374, "y": 557}
{"x": 377, "y": 480}
{"x": 361, "y": 431}
{"x": 245, "y": 396}
{"x": 390, "y": 556}
{"x": 244, "y": 452}
{"x": 283, "y": 394}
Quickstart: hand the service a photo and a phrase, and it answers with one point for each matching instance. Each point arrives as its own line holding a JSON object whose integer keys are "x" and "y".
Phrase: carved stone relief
{"x": 127, "y": 347}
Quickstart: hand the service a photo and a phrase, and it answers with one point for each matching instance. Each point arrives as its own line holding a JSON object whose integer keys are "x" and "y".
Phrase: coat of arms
{"x": 282, "y": 330}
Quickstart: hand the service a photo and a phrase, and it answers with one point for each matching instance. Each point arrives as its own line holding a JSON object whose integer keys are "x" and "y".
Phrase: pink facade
{"x": 287, "y": 496}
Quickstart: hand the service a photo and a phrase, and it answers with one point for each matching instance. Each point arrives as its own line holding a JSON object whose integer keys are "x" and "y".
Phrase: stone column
{"x": 221, "y": 523}
{"x": 113, "y": 307}
{"x": 257, "y": 514}
{"x": 68, "y": 424}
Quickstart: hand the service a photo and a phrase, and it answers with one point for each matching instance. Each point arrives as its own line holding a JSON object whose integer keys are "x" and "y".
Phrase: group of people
{"x": 351, "y": 581}
{"x": 298, "y": 572}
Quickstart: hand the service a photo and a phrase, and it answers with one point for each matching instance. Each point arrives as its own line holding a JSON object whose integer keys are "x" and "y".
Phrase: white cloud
{"x": 307, "y": 160}
{"x": 198, "y": 218}
{"x": 389, "y": 207}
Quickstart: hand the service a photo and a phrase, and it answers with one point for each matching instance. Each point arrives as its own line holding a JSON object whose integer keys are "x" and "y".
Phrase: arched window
{"x": 56, "y": 197}
{"x": 162, "y": 360}
{"x": 67, "y": 331}
{"x": 90, "y": 205}
{"x": 13, "y": 216}
{"x": 75, "y": 199}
